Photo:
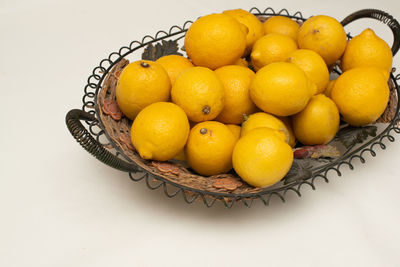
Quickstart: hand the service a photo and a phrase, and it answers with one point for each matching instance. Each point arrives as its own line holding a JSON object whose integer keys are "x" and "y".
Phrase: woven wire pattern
{"x": 190, "y": 195}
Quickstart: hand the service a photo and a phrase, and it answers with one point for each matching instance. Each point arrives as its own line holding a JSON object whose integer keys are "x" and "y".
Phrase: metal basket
{"x": 95, "y": 138}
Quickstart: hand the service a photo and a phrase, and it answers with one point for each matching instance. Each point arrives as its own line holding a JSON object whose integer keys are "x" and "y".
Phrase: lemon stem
{"x": 245, "y": 117}
{"x": 206, "y": 110}
{"x": 144, "y": 64}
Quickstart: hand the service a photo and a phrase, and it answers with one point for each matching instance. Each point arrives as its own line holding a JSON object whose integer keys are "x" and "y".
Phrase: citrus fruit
{"x": 282, "y": 25}
{"x": 313, "y": 65}
{"x": 160, "y": 131}
{"x": 318, "y": 123}
{"x": 236, "y": 81}
{"x": 361, "y": 94}
{"x": 174, "y": 65}
{"x": 235, "y": 129}
{"x": 215, "y": 40}
{"x": 261, "y": 158}
{"x": 271, "y": 48}
{"x": 288, "y": 123}
{"x": 281, "y": 89}
{"x": 140, "y": 84}
{"x": 241, "y": 62}
{"x": 253, "y": 24}
{"x": 328, "y": 88}
{"x": 209, "y": 148}
{"x": 199, "y": 92}
{"x": 262, "y": 119}
{"x": 367, "y": 50}
{"x": 181, "y": 155}
{"x": 324, "y": 35}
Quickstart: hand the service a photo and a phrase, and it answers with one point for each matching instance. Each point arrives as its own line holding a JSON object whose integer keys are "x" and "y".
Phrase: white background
{"x": 59, "y": 206}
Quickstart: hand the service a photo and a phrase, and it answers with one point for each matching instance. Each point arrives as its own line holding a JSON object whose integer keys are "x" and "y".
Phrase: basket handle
{"x": 89, "y": 143}
{"x": 382, "y": 16}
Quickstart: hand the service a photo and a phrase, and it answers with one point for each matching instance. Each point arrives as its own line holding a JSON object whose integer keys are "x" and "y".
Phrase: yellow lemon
{"x": 174, "y": 65}
{"x": 236, "y": 81}
{"x": 140, "y": 84}
{"x": 261, "y": 119}
{"x": 261, "y": 158}
{"x": 328, "y": 88}
{"x": 180, "y": 156}
{"x": 361, "y": 94}
{"x": 241, "y": 62}
{"x": 271, "y": 48}
{"x": 209, "y": 148}
{"x": 235, "y": 129}
{"x": 160, "y": 131}
{"x": 318, "y": 123}
{"x": 253, "y": 24}
{"x": 313, "y": 65}
{"x": 288, "y": 123}
{"x": 324, "y": 35}
{"x": 367, "y": 50}
{"x": 281, "y": 89}
{"x": 200, "y": 93}
{"x": 282, "y": 25}
{"x": 215, "y": 40}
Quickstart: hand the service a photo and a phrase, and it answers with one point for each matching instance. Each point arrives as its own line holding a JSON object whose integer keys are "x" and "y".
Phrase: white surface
{"x": 61, "y": 207}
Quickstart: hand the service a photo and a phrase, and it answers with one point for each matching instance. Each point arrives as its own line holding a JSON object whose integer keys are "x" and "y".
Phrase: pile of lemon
{"x": 248, "y": 90}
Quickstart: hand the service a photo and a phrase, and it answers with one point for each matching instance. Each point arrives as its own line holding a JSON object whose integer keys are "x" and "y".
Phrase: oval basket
{"x": 106, "y": 134}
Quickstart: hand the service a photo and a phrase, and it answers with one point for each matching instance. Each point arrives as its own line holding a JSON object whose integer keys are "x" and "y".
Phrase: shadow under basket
{"x": 106, "y": 132}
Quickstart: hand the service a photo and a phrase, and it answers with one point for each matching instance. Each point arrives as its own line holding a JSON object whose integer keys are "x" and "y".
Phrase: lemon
{"x": 241, "y": 62}
{"x": 236, "y": 81}
{"x": 200, "y": 93}
{"x": 282, "y": 25}
{"x": 281, "y": 89}
{"x": 181, "y": 155}
{"x": 261, "y": 119}
{"x": 313, "y": 65}
{"x": 174, "y": 65}
{"x": 209, "y": 148}
{"x": 215, "y": 40}
{"x": 324, "y": 35}
{"x": 361, "y": 94}
{"x": 328, "y": 88}
{"x": 318, "y": 123}
{"x": 253, "y": 24}
{"x": 160, "y": 131}
{"x": 288, "y": 123}
{"x": 271, "y": 48}
{"x": 140, "y": 84}
{"x": 235, "y": 129}
{"x": 367, "y": 50}
{"x": 261, "y": 158}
